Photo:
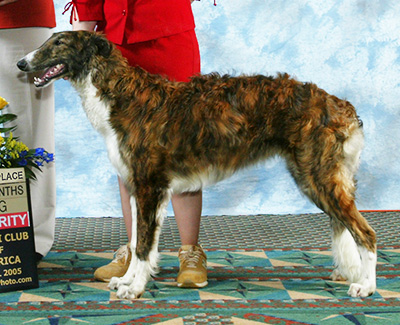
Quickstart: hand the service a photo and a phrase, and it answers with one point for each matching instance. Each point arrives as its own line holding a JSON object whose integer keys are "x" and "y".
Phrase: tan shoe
{"x": 192, "y": 267}
{"x": 117, "y": 267}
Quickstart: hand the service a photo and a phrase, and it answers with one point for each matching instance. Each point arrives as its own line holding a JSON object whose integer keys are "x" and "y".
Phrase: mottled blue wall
{"x": 350, "y": 48}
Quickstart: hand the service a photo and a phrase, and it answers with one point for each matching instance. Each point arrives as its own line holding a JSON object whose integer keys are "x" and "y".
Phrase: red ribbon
{"x": 67, "y": 8}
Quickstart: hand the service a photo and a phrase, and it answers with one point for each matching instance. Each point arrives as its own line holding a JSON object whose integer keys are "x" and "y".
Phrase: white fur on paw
{"x": 127, "y": 292}
{"x": 113, "y": 284}
{"x": 124, "y": 292}
{"x": 116, "y": 282}
{"x": 337, "y": 276}
{"x": 359, "y": 290}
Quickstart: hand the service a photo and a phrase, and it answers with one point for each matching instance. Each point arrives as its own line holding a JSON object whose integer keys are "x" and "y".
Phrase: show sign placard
{"x": 17, "y": 247}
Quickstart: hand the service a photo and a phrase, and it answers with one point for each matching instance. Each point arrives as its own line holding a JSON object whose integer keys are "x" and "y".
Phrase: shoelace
{"x": 121, "y": 253}
{"x": 191, "y": 257}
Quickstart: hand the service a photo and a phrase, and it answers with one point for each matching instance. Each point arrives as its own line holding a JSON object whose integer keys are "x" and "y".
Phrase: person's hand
{"x": 6, "y": 2}
{"x": 83, "y": 25}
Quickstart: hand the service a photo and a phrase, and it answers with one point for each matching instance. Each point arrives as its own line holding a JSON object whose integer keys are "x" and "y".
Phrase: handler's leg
{"x": 192, "y": 259}
{"x": 122, "y": 257}
{"x": 187, "y": 208}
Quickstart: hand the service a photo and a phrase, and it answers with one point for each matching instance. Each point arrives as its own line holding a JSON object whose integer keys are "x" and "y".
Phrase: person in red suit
{"x": 158, "y": 36}
{"x": 24, "y": 26}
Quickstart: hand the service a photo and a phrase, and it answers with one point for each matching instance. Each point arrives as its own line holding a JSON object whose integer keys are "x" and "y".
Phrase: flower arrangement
{"x": 14, "y": 153}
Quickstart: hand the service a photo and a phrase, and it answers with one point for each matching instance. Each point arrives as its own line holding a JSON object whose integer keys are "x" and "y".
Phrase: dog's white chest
{"x": 98, "y": 113}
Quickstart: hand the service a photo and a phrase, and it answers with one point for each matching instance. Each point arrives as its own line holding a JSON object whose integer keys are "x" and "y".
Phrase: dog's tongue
{"x": 48, "y": 75}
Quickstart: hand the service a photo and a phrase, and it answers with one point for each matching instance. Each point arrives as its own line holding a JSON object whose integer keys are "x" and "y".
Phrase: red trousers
{"x": 177, "y": 57}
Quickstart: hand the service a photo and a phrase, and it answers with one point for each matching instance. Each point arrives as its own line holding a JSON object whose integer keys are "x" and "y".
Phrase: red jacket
{"x": 137, "y": 20}
{"x": 28, "y": 13}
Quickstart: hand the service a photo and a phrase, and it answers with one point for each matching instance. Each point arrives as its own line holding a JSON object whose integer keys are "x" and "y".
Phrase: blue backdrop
{"x": 350, "y": 48}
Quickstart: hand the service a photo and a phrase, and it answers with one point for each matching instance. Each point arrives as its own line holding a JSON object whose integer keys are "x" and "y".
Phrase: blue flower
{"x": 22, "y": 162}
{"x": 39, "y": 152}
{"x": 49, "y": 157}
{"x": 14, "y": 153}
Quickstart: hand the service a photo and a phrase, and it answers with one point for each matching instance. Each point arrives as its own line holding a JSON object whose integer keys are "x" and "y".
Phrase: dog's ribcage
{"x": 98, "y": 113}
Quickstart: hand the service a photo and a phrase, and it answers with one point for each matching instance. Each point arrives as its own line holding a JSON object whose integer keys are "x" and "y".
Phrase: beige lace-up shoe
{"x": 117, "y": 267}
{"x": 193, "y": 267}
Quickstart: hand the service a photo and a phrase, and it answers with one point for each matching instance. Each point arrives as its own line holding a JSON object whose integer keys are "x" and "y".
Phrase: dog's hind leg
{"x": 346, "y": 256}
{"x": 151, "y": 203}
{"x": 354, "y": 253}
{"x": 325, "y": 172}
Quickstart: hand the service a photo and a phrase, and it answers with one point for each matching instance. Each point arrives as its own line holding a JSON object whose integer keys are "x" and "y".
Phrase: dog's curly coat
{"x": 169, "y": 137}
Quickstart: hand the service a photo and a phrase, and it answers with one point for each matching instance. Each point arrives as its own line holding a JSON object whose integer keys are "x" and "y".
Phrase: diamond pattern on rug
{"x": 351, "y": 311}
{"x": 282, "y": 276}
{"x": 233, "y": 275}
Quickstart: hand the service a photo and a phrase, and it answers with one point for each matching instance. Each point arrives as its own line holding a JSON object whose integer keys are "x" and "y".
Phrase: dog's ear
{"x": 104, "y": 47}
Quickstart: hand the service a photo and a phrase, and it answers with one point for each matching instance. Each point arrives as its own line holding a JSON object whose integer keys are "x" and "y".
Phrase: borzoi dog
{"x": 168, "y": 137}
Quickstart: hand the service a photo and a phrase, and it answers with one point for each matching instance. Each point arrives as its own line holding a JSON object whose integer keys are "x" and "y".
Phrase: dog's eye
{"x": 58, "y": 42}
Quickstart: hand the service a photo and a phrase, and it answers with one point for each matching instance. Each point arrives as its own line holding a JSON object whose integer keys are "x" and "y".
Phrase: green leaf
{"x": 29, "y": 174}
{"x": 5, "y": 130}
{"x": 7, "y": 118}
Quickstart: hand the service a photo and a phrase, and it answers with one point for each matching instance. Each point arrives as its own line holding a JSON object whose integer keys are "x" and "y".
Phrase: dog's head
{"x": 65, "y": 55}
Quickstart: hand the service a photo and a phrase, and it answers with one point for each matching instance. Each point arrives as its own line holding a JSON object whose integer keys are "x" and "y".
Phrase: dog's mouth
{"x": 50, "y": 74}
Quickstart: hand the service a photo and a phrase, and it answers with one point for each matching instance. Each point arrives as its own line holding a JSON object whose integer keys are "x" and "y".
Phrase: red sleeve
{"x": 16, "y": 15}
{"x": 88, "y": 10}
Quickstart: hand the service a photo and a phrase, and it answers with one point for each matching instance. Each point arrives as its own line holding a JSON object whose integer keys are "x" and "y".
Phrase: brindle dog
{"x": 168, "y": 137}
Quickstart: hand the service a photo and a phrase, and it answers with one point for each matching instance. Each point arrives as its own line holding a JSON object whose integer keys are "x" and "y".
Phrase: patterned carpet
{"x": 266, "y": 269}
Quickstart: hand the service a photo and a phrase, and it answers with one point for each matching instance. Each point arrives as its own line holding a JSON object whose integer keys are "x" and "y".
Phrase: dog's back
{"x": 232, "y": 122}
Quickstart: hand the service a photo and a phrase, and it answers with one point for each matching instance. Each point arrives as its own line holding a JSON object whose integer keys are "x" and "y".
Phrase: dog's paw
{"x": 123, "y": 292}
{"x": 337, "y": 276}
{"x": 359, "y": 290}
{"x": 127, "y": 292}
{"x": 115, "y": 283}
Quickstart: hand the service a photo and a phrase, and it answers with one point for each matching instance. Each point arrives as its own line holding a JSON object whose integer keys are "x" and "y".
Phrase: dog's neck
{"x": 117, "y": 81}
{"x": 97, "y": 110}
{"x": 112, "y": 83}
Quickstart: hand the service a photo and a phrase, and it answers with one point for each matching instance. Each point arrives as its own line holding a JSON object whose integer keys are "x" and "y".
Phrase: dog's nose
{"x": 22, "y": 64}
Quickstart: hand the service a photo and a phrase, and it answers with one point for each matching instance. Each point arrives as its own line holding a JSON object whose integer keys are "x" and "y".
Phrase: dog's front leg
{"x": 127, "y": 279}
{"x": 151, "y": 208}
